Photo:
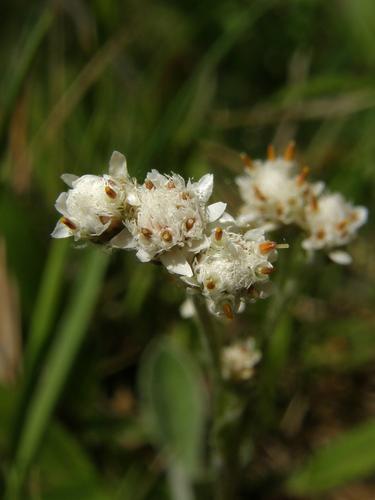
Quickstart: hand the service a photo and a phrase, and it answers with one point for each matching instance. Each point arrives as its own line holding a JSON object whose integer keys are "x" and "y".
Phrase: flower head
{"x": 332, "y": 222}
{"x": 239, "y": 359}
{"x": 170, "y": 220}
{"x": 233, "y": 270}
{"x": 94, "y": 204}
{"x": 274, "y": 191}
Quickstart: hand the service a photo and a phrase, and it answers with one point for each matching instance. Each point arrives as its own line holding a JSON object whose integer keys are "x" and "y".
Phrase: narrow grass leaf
{"x": 58, "y": 362}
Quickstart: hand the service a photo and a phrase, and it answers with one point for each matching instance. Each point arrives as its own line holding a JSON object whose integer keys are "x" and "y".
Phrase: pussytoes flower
{"x": 239, "y": 359}
{"x": 275, "y": 194}
{"x": 273, "y": 191}
{"x": 170, "y": 221}
{"x": 94, "y": 205}
{"x": 332, "y": 222}
{"x": 233, "y": 270}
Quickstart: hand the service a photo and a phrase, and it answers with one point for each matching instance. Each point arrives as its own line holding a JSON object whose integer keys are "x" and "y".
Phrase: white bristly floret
{"x": 171, "y": 220}
{"x": 239, "y": 359}
{"x": 273, "y": 192}
{"x": 233, "y": 270}
{"x": 332, "y": 222}
{"x": 94, "y": 203}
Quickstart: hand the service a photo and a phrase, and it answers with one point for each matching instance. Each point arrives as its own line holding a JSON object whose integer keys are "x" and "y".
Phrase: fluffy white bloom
{"x": 233, "y": 270}
{"x": 331, "y": 222}
{"x": 94, "y": 204}
{"x": 238, "y": 360}
{"x": 273, "y": 191}
{"x": 171, "y": 220}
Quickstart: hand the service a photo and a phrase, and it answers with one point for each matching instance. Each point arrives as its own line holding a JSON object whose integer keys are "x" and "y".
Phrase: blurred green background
{"x": 104, "y": 392}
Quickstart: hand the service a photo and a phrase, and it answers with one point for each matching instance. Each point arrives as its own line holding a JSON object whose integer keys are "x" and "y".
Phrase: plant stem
{"x": 223, "y": 487}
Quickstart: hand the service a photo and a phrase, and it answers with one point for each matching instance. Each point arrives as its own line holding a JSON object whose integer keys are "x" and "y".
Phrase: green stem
{"x": 223, "y": 487}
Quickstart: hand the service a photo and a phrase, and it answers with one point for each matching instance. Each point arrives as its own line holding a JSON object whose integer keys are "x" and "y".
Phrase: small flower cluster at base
{"x": 276, "y": 192}
{"x": 239, "y": 359}
{"x": 169, "y": 220}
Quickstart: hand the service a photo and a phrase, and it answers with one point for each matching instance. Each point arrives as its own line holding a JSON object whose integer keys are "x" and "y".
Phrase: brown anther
{"x": 253, "y": 292}
{"x": 110, "y": 192}
{"x": 320, "y": 234}
{"x": 218, "y": 233}
{"x": 271, "y": 153}
{"x": 341, "y": 226}
{"x": 68, "y": 223}
{"x": 279, "y": 211}
{"x": 301, "y": 177}
{"x": 189, "y": 223}
{"x": 210, "y": 284}
{"x": 292, "y": 202}
{"x": 246, "y": 160}
{"x": 290, "y": 151}
{"x": 171, "y": 184}
{"x": 266, "y": 270}
{"x": 267, "y": 246}
{"x": 166, "y": 235}
{"x": 147, "y": 233}
{"x": 314, "y": 203}
{"x": 258, "y": 193}
{"x": 104, "y": 219}
{"x": 185, "y": 195}
{"x": 228, "y": 311}
{"x": 149, "y": 184}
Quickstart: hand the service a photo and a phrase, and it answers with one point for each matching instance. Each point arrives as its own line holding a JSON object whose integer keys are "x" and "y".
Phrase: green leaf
{"x": 349, "y": 457}
{"x": 173, "y": 403}
{"x": 47, "y": 300}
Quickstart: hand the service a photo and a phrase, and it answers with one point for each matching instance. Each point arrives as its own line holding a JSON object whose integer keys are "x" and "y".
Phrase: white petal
{"x": 132, "y": 199}
{"x": 318, "y": 188}
{"x": 123, "y": 240}
{"x": 215, "y": 211}
{"x": 69, "y": 179}
{"x": 143, "y": 256}
{"x": 227, "y": 219}
{"x": 60, "y": 203}
{"x": 175, "y": 261}
{"x": 254, "y": 234}
{"x": 241, "y": 307}
{"x": 362, "y": 213}
{"x": 61, "y": 231}
{"x": 205, "y": 186}
{"x": 340, "y": 257}
{"x": 187, "y": 308}
{"x": 117, "y": 165}
{"x": 245, "y": 219}
{"x": 156, "y": 177}
{"x": 199, "y": 245}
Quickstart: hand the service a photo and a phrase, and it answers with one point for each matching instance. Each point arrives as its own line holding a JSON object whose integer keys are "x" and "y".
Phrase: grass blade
{"x": 59, "y": 360}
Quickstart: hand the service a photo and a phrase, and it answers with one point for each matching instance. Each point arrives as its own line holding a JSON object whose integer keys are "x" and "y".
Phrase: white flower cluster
{"x": 276, "y": 192}
{"x": 239, "y": 359}
{"x": 169, "y": 220}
